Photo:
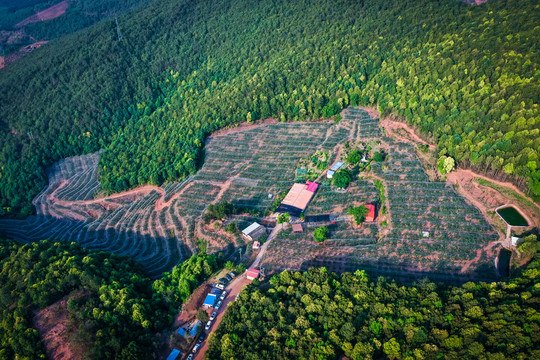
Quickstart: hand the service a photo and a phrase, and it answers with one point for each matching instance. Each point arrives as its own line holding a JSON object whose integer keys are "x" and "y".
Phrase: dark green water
{"x": 504, "y": 263}
{"x": 512, "y": 216}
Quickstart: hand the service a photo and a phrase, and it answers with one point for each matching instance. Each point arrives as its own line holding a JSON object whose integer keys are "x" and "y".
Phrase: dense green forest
{"x": 321, "y": 315}
{"x": 115, "y": 309}
{"x": 465, "y": 76}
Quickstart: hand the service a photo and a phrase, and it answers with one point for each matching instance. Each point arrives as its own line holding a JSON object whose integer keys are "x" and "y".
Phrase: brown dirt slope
{"x": 53, "y": 325}
{"x": 47, "y": 14}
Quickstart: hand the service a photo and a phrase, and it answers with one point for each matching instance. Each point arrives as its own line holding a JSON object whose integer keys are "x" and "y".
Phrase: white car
{"x": 218, "y": 305}
{"x": 213, "y": 316}
{"x": 195, "y": 348}
{"x": 222, "y": 297}
{"x": 208, "y": 324}
{"x": 232, "y": 274}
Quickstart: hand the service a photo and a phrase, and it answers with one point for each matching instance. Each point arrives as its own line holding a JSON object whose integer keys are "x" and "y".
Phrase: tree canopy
{"x": 321, "y": 315}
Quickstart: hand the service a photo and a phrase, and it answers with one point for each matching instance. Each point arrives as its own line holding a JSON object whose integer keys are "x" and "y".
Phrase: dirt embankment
{"x": 488, "y": 199}
{"x": 47, "y": 14}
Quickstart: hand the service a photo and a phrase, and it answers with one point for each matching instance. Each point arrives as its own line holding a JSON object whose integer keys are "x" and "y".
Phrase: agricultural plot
{"x": 159, "y": 226}
{"x": 457, "y": 242}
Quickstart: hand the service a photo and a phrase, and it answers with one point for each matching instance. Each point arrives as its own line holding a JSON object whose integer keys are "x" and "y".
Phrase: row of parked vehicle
{"x": 216, "y": 307}
{"x": 221, "y": 286}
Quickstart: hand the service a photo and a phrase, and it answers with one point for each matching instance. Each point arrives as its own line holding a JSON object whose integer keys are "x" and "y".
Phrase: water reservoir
{"x": 512, "y": 216}
{"x": 503, "y": 263}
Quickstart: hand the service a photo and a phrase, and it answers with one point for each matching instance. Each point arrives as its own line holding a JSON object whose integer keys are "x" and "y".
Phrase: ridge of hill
{"x": 465, "y": 76}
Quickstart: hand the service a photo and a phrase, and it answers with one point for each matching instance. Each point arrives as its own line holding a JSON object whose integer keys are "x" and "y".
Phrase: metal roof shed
{"x": 174, "y": 354}
{"x": 254, "y": 231}
{"x": 210, "y": 300}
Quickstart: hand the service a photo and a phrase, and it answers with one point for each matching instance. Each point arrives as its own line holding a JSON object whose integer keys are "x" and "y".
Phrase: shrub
{"x": 359, "y": 213}
{"x": 320, "y": 234}
{"x": 284, "y": 218}
{"x": 231, "y": 228}
{"x": 342, "y": 178}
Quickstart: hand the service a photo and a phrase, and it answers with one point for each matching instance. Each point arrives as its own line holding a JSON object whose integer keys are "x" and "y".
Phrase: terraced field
{"x": 159, "y": 226}
{"x": 460, "y": 244}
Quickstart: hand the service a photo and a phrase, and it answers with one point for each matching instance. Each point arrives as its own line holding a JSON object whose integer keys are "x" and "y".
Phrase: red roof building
{"x": 252, "y": 274}
{"x": 312, "y": 186}
{"x": 371, "y": 214}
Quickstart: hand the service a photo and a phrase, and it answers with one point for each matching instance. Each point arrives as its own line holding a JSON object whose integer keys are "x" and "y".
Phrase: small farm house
{"x": 252, "y": 274}
{"x": 330, "y": 174}
{"x": 254, "y": 232}
{"x": 297, "y": 228}
{"x": 256, "y": 245}
{"x": 371, "y": 213}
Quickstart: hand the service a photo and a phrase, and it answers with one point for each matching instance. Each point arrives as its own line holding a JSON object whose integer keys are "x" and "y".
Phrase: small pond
{"x": 512, "y": 216}
{"x": 503, "y": 264}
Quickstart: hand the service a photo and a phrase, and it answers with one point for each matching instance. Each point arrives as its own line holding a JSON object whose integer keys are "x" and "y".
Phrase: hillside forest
{"x": 467, "y": 77}
{"x": 320, "y": 315}
{"x": 114, "y": 310}
{"x": 78, "y": 15}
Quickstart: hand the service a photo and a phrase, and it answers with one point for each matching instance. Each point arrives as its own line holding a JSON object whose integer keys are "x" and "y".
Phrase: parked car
{"x": 213, "y": 316}
{"x": 218, "y": 305}
{"x": 222, "y": 297}
{"x": 223, "y": 281}
{"x": 196, "y": 348}
{"x": 228, "y": 277}
{"x": 233, "y": 275}
{"x": 190, "y": 357}
{"x": 208, "y": 324}
{"x": 203, "y": 335}
{"x": 220, "y": 286}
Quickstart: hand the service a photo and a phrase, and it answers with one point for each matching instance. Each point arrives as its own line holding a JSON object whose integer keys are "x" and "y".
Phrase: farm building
{"x": 371, "y": 213}
{"x": 336, "y": 166}
{"x": 252, "y": 274}
{"x": 254, "y": 231}
{"x": 174, "y": 354}
{"x": 195, "y": 329}
{"x": 210, "y": 301}
{"x": 298, "y": 198}
{"x": 330, "y": 174}
{"x": 297, "y": 228}
{"x": 256, "y": 245}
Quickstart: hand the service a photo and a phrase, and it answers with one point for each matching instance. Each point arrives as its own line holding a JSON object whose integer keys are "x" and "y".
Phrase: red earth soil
{"x": 52, "y": 324}
{"x": 47, "y": 14}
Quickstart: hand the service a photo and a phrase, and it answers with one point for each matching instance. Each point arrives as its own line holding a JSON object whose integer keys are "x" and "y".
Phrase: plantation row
{"x": 159, "y": 226}
{"x": 457, "y": 233}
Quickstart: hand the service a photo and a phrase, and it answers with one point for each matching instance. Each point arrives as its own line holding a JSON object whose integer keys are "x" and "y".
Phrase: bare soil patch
{"x": 47, "y": 14}
{"x": 53, "y": 325}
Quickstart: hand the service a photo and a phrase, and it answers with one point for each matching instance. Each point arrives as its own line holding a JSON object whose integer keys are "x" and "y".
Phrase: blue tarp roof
{"x": 193, "y": 331}
{"x": 336, "y": 166}
{"x": 173, "y": 355}
{"x": 210, "y": 300}
{"x": 181, "y": 332}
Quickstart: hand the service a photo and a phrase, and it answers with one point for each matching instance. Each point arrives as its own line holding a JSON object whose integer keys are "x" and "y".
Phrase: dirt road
{"x": 233, "y": 290}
